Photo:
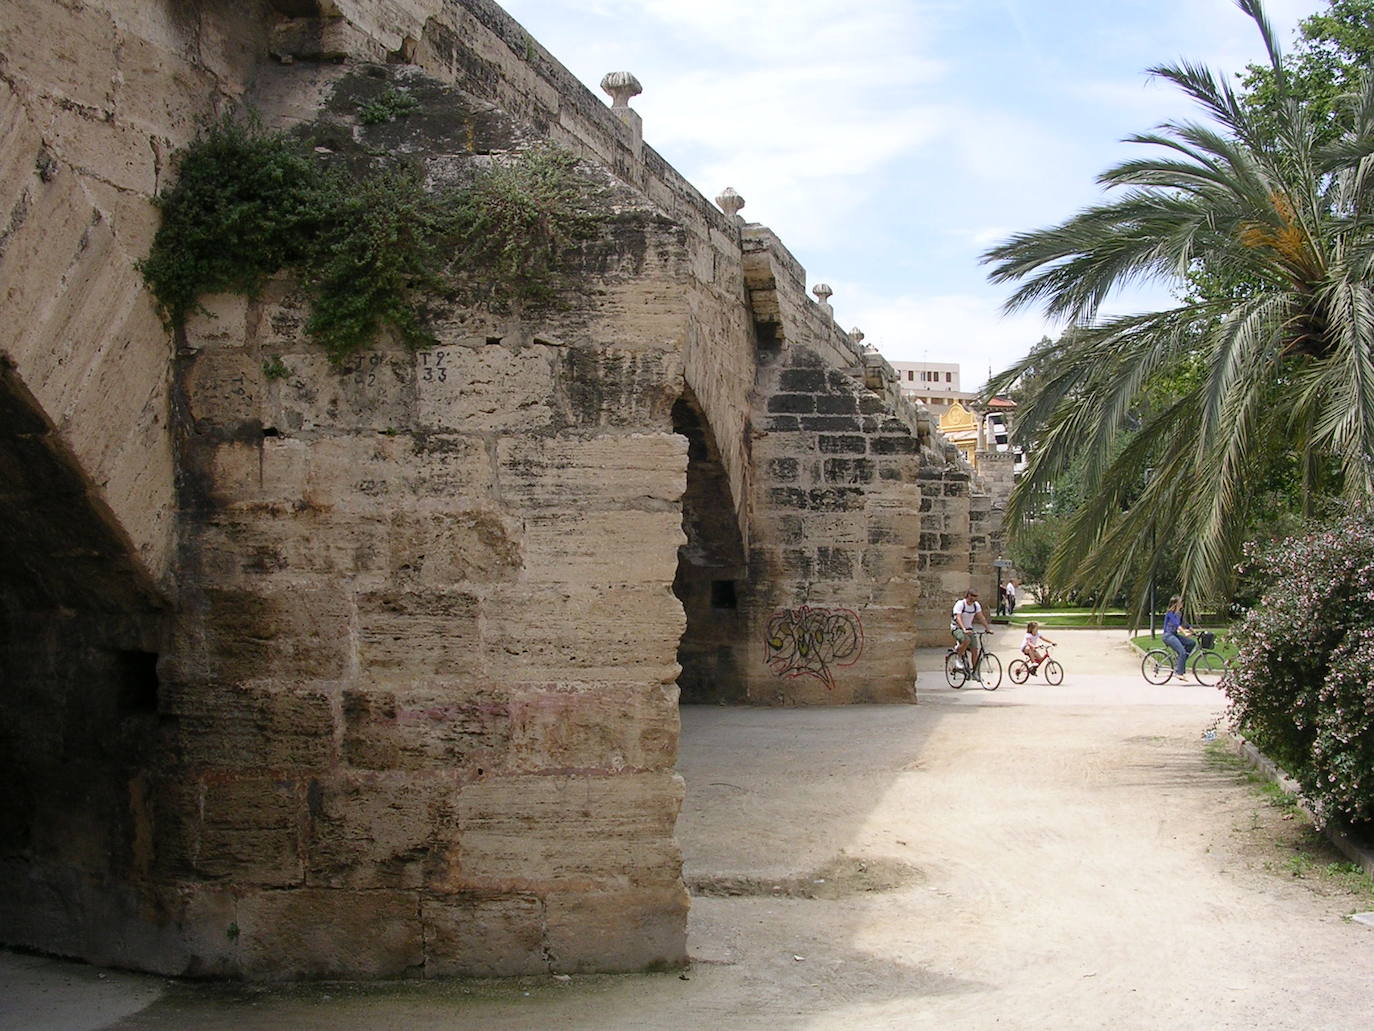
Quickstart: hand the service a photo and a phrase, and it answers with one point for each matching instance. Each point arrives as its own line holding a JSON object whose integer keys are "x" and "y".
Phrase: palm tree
{"x": 1275, "y": 368}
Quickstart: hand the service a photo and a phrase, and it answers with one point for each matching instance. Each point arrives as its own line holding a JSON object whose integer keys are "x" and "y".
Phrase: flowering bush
{"x": 1303, "y": 684}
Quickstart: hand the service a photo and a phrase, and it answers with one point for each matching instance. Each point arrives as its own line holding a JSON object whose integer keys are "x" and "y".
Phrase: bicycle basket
{"x": 1207, "y": 639}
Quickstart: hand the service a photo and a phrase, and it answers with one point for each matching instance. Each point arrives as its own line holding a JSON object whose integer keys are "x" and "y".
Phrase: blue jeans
{"x": 1182, "y": 647}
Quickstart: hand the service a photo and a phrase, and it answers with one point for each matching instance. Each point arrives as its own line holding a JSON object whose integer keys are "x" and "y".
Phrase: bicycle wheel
{"x": 1054, "y": 673}
{"x": 1157, "y": 666}
{"x": 954, "y": 670}
{"x": 1018, "y": 671}
{"x": 990, "y": 669}
{"x": 1208, "y": 668}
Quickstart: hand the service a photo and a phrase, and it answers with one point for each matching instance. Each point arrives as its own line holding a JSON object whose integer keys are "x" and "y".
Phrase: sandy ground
{"x": 1032, "y": 858}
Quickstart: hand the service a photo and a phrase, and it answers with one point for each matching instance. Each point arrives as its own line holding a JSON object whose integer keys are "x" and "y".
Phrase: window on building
{"x": 949, "y": 377}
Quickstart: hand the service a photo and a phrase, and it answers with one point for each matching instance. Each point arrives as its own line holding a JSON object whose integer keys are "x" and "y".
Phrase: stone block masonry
{"x": 845, "y": 574}
{"x": 374, "y": 671}
{"x": 452, "y": 569}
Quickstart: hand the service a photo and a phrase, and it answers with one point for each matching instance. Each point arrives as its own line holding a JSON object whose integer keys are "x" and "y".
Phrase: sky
{"x": 889, "y": 143}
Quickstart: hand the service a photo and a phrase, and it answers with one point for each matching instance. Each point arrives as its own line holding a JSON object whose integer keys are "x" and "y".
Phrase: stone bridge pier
{"x": 373, "y": 670}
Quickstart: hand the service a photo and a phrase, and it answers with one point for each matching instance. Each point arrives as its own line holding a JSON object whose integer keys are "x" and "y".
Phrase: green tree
{"x": 1032, "y": 549}
{"x": 1221, "y": 390}
{"x": 1332, "y": 54}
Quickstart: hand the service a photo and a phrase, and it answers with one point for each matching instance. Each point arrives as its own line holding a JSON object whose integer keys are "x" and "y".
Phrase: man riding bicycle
{"x": 966, "y": 612}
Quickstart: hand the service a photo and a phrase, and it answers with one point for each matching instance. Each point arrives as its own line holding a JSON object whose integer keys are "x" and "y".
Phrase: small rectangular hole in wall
{"x": 723, "y": 594}
{"x": 767, "y": 335}
{"x": 137, "y": 682}
{"x": 493, "y": 340}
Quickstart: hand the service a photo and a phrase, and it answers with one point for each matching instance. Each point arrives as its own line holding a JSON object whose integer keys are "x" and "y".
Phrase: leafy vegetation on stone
{"x": 275, "y": 368}
{"x": 516, "y": 220}
{"x": 246, "y": 203}
{"x": 378, "y": 259}
{"x": 371, "y": 250}
{"x": 389, "y": 105}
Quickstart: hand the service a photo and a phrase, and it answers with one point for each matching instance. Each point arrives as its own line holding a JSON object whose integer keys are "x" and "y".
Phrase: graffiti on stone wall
{"x": 809, "y": 642}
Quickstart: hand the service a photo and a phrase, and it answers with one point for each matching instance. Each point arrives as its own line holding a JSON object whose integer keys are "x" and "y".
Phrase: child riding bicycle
{"x": 1033, "y": 645}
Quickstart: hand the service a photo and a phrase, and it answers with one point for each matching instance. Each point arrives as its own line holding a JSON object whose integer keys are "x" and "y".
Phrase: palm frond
{"x": 1269, "y": 360}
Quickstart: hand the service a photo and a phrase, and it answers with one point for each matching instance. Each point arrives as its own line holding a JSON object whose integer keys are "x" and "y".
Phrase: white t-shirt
{"x": 1011, "y": 591}
{"x": 1031, "y": 641}
{"x": 964, "y": 613}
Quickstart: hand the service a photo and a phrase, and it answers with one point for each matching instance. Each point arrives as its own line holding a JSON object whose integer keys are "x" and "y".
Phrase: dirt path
{"x": 1035, "y": 857}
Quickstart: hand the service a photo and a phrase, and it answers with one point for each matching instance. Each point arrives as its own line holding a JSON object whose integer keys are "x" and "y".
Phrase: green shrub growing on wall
{"x": 1301, "y": 688}
{"x": 514, "y": 223}
{"x": 379, "y": 256}
{"x": 246, "y": 203}
{"x": 370, "y": 251}
{"x": 387, "y": 106}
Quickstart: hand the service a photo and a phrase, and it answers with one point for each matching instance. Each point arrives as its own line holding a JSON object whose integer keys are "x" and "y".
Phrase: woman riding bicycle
{"x": 1180, "y": 643}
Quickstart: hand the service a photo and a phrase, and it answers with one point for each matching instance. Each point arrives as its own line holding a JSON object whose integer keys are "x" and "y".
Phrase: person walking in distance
{"x": 1011, "y": 597}
{"x": 1174, "y": 625}
{"x": 966, "y": 612}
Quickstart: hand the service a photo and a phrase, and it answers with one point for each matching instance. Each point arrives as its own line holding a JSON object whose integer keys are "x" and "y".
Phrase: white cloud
{"x": 782, "y": 32}
{"x": 983, "y": 238}
{"x": 803, "y": 106}
{"x": 890, "y": 142}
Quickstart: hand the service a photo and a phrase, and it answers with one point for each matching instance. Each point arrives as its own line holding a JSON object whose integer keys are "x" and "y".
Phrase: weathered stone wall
{"x": 418, "y": 681}
{"x": 440, "y": 581}
{"x": 995, "y": 479}
{"x": 79, "y": 636}
{"x": 94, "y": 98}
{"x": 420, "y": 620}
{"x": 475, "y": 43}
{"x": 861, "y": 514}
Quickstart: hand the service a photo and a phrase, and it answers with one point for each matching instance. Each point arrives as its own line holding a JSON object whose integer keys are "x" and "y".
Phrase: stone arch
{"x": 711, "y": 570}
{"x": 80, "y": 632}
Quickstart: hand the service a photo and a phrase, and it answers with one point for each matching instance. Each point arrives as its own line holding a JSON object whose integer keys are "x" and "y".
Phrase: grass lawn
{"x": 1086, "y": 617}
{"x": 1064, "y": 617}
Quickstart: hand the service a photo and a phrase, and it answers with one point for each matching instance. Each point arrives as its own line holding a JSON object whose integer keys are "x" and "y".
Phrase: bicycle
{"x": 988, "y": 671}
{"x": 1206, "y": 663}
{"x": 1022, "y": 670}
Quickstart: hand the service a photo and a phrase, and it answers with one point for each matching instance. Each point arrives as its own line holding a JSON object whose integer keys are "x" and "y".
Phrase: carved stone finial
{"x": 857, "y": 335}
{"x": 730, "y": 202}
{"x": 621, "y": 86}
{"x": 823, "y": 292}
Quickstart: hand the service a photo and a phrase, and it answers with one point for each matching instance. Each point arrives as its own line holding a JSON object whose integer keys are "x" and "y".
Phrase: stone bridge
{"x": 375, "y": 672}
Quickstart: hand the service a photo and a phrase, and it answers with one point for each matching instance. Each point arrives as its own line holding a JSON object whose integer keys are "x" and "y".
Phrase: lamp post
{"x": 1149, "y": 475}
{"x": 1152, "y": 582}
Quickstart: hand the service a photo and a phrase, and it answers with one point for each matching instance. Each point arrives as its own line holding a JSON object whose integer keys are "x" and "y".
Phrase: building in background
{"x": 933, "y": 384}
{"x": 961, "y": 416}
{"x": 975, "y": 427}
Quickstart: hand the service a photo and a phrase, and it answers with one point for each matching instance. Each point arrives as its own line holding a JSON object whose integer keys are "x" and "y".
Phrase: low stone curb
{"x": 1333, "y": 831}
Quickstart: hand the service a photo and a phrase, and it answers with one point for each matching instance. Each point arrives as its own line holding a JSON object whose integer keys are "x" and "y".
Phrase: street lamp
{"x": 1149, "y": 474}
